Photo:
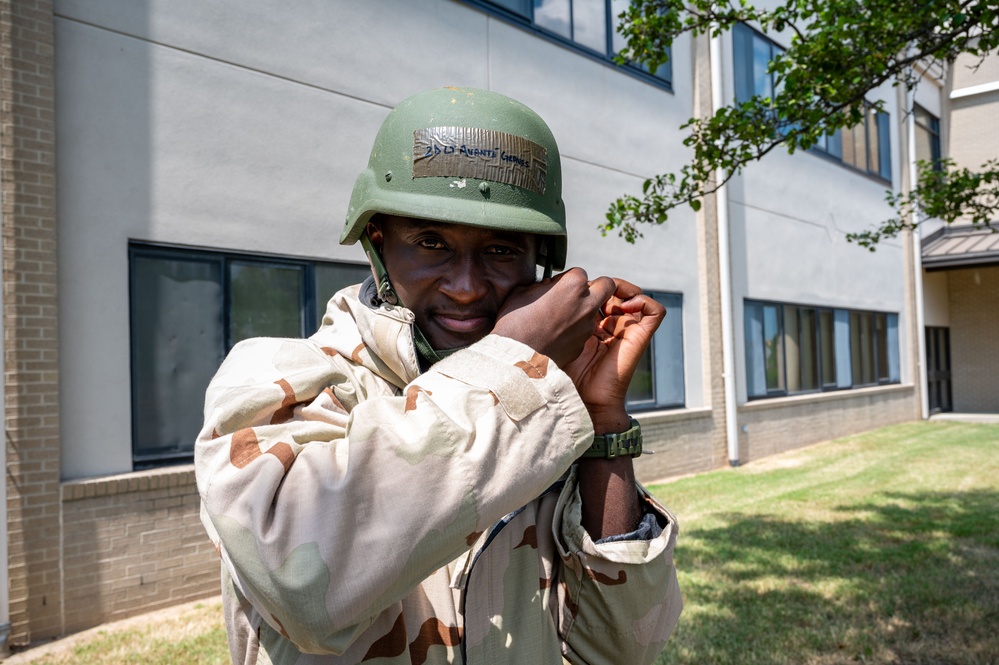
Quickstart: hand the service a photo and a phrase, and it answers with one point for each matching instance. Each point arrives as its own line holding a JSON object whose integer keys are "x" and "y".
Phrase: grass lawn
{"x": 877, "y": 548}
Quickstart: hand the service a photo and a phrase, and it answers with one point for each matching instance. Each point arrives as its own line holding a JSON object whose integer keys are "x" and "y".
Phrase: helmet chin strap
{"x": 428, "y": 355}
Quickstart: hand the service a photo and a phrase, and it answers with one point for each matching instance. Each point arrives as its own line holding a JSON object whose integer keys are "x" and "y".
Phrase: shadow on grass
{"x": 902, "y": 578}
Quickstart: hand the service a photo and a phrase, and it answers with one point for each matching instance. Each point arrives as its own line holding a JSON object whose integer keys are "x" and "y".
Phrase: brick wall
{"x": 774, "y": 426}
{"x": 679, "y": 444}
{"x": 134, "y": 543}
{"x": 31, "y": 380}
{"x": 974, "y": 331}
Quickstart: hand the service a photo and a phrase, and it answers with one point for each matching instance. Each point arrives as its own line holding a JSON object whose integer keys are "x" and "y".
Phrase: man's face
{"x": 454, "y": 278}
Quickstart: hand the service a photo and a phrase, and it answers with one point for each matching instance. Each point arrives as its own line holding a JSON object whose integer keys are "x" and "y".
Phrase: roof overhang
{"x": 961, "y": 247}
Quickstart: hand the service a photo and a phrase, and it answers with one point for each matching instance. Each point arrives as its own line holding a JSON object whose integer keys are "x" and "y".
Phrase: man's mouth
{"x": 462, "y": 323}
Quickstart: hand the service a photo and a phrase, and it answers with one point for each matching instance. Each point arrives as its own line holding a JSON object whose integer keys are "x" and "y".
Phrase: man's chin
{"x": 448, "y": 341}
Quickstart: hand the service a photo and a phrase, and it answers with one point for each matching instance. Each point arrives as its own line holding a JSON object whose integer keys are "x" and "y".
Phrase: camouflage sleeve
{"x": 619, "y": 601}
{"x": 331, "y": 495}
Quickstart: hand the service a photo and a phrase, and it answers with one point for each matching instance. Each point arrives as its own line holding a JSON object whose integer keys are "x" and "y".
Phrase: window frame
{"x": 309, "y": 306}
{"x": 825, "y": 384}
{"x": 932, "y": 131}
{"x": 744, "y": 81}
{"x": 663, "y": 78}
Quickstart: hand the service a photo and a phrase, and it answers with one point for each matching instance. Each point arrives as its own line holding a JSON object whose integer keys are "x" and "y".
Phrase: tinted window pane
{"x": 827, "y": 339}
{"x": 792, "y": 352}
{"x": 742, "y": 47}
{"x": 553, "y": 15}
{"x": 834, "y": 144}
{"x": 756, "y": 378}
{"x": 809, "y": 350}
{"x": 881, "y": 346}
{"x": 866, "y": 325}
{"x": 330, "y": 278}
{"x": 617, "y": 8}
{"x": 860, "y": 147}
{"x": 589, "y": 24}
{"x": 761, "y": 59}
{"x": 176, "y": 312}
{"x": 773, "y": 348}
{"x": 669, "y": 352}
{"x": 894, "y": 371}
{"x": 266, "y": 300}
{"x": 873, "y": 142}
{"x": 844, "y": 340}
{"x": 642, "y": 388}
{"x": 521, "y": 7}
{"x": 848, "y": 145}
{"x": 658, "y": 382}
{"x": 884, "y": 146}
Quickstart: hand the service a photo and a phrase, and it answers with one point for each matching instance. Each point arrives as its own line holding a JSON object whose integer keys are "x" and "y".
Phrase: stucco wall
{"x": 242, "y": 126}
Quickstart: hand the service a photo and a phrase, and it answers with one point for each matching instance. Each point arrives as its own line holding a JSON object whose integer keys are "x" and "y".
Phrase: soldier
{"x": 443, "y": 472}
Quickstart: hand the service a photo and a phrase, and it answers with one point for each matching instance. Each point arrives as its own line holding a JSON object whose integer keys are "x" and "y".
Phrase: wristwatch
{"x": 609, "y": 446}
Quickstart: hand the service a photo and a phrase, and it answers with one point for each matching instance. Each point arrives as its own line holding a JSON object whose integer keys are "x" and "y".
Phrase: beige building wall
{"x": 974, "y": 331}
{"x": 974, "y": 111}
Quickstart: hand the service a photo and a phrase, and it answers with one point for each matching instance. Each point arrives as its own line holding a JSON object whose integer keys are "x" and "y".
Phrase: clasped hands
{"x": 595, "y": 330}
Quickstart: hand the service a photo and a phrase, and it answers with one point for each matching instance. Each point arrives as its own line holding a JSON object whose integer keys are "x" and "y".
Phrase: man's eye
{"x": 430, "y": 243}
{"x": 503, "y": 250}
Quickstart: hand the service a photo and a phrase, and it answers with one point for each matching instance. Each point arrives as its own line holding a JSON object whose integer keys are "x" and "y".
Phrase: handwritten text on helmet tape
{"x": 484, "y": 154}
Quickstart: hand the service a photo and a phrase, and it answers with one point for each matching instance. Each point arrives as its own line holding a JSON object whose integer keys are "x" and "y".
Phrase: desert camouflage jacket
{"x": 369, "y": 513}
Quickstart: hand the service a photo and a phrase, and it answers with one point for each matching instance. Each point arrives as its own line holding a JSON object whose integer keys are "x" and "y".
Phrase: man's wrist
{"x": 609, "y": 421}
{"x": 621, "y": 443}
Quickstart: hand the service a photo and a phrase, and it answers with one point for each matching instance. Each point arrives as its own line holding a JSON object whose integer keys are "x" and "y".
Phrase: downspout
{"x": 724, "y": 270}
{"x": 5, "y": 578}
{"x": 917, "y": 264}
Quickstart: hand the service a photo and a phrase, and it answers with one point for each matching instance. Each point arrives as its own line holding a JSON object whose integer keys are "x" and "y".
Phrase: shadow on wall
{"x": 906, "y": 578}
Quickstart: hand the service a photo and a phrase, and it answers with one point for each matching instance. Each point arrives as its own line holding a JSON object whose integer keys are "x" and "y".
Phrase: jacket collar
{"x": 377, "y": 336}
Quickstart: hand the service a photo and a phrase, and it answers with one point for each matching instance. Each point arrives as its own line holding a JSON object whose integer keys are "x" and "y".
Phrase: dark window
{"x": 866, "y": 146}
{"x": 798, "y": 348}
{"x": 927, "y": 137}
{"x": 588, "y": 26}
{"x": 187, "y": 309}
{"x": 658, "y": 381}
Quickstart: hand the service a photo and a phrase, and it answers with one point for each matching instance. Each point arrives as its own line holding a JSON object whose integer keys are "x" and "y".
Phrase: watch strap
{"x": 619, "y": 444}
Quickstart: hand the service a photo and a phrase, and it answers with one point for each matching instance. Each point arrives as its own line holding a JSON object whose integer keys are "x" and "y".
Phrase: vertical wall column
{"x": 709, "y": 273}
{"x": 30, "y": 317}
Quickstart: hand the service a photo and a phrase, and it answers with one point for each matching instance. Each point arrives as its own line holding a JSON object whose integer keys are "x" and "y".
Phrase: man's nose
{"x": 463, "y": 282}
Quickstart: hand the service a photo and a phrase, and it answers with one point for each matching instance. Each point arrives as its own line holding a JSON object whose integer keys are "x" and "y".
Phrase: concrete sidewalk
{"x": 984, "y": 418}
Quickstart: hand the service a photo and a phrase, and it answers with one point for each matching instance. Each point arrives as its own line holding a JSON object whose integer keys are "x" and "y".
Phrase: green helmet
{"x": 464, "y": 156}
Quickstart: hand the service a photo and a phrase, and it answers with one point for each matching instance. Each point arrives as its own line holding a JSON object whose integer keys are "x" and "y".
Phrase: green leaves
{"x": 838, "y": 51}
{"x": 947, "y": 193}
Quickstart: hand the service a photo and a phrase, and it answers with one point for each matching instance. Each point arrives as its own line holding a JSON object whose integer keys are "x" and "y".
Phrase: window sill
{"x": 763, "y": 403}
{"x": 137, "y": 481}
{"x": 671, "y": 415}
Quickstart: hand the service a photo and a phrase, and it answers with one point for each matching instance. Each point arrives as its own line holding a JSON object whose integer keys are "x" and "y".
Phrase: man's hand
{"x": 602, "y": 373}
{"x": 556, "y": 316}
{"x": 604, "y": 368}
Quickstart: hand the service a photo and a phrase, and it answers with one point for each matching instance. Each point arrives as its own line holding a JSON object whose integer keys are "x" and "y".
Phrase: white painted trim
{"x": 917, "y": 267}
{"x": 724, "y": 272}
{"x": 974, "y": 90}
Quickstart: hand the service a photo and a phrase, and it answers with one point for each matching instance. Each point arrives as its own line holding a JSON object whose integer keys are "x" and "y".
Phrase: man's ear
{"x": 374, "y": 231}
